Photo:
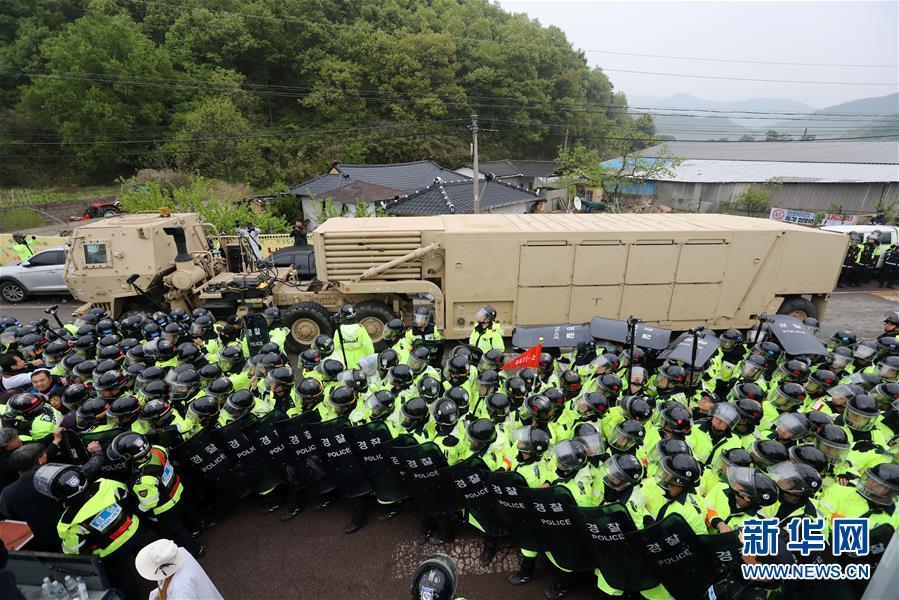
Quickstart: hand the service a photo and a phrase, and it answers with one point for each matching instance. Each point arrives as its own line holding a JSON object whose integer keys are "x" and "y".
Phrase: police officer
{"x": 277, "y": 332}
{"x": 423, "y": 327}
{"x": 351, "y": 340}
{"x": 21, "y": 247}
{"x": 397, "y": 338}
{"x": 157, "y": 487}
{"x": 33, "y": 416}
{"x": 487, "y": 333}
{"x": 96, "y": 519}
{"x": 529, "y": 445}
{"x": 748, "y": 490}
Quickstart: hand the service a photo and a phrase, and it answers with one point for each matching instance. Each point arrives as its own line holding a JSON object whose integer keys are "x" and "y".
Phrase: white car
{"x": 888, "y": 234}
{"x": 39, "y": 275}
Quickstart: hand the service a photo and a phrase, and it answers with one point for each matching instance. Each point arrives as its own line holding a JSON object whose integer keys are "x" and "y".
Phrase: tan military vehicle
{"x": 673, "y": 270}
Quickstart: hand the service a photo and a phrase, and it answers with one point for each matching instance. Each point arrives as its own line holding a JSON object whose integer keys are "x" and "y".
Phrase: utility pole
{"x": 566, "y": 138}
{"x": 474, "y": 151}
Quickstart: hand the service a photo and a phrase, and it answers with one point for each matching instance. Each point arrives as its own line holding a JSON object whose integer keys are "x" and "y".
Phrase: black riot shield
{"x": 676, "y": 555}
{"x": 72, "y": 448}
{"x": 370, "y": 445}
{"x": 621, "y": 565}
{"x": 118, "y": 469}
{"x": 256, "y": 332}
{"x": 303, "y": 453}
{"x": 562, "y": 531}
{"x": 419, "y": 468}
{"x": 469, "y": 480}
{"x": 435, "y": 347}
{"x": 681, "y": 349}
{"x": 264, "y": 435}
{"x": 794, "y": 336}
{"x": 565, "y": 335}
{"x": 614, "y": 330}
{"x": 337, "y": 455}
{"x": 247, "y": 459}
{"x": 515, "y": 510}
{"x": 202, "y": 458}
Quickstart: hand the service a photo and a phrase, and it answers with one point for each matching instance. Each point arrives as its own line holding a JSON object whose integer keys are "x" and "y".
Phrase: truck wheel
{"x": 798, "y": 307}
{"x": 13, "y": 291}
{"x": 305, "y": 320}
{"x": 374, "y": 315}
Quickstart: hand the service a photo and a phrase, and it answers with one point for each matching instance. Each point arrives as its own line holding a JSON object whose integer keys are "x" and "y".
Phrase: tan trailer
{"x": 675, "y": 270}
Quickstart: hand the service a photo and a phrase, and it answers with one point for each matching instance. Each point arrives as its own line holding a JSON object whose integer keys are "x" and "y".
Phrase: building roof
{"x": 456, "y": 197}
{"x": 734, "y": 171}
{"x": 405, "y": 177}
{"x": 316, "y": 185}
{"x": 830, "y": 151}
{"x": 359, "y": 190}
{"x": 515, "y": 168}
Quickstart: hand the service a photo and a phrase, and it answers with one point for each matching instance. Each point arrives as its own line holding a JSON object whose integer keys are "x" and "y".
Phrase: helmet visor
{"x": 613, "y": 476}
{"x": 667, "y": 478}
{"x": 369, "y": 366}
{"x": 569, "y": 456}
{"x": 788, "y": 479}
{"x": 840, "y": 394}
{"x": 197, "y": 329}
{"x": 863, "y": 352}
{"x": 593, "y": 442}
{"x": 857, "y": 420}
{"x": 783, "y": 400}
{"x": 621, "y": 440}
{"x": 832, "y": 450}
{"x": 791, "y": 426}
{"x": 726, "y": 413}
{"x": 420, "y": 320}
{"x": 750, "y": 370}
{"x": 481, "y": 316}
{"x": 876, "y": 489}
{"x": 886, "y": 370}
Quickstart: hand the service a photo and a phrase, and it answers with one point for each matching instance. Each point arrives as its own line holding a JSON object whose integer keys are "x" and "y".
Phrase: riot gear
{"x": 880, "y": 484}
{"x": 347, "y": 314}
{"x": 310, "y": 358}
{"x": 592, "y": 406}
{"x": 446, "y": 415}
{"x": 231, "y": 359}
{"x": 26, "y": 404}
{"x": 429, "y": 389}
{"x": 678, "y": 470}
{"x": 184, "y": 385}
{"x": 809, "y": 455}
{"x": 220, "y": 389}
{"x": 570, "y": 455}
{"x": 844, "y": 337}
{"x": 796, "y": 479}
{"x": 393, "y": 330}
{"x": 516, "y": 389}
{"x": 753, "y": 484}
{"x": 342, "y": 399}
{"x": 74, "y": 396}
{"x": 156, "y": 412}
{"x": 498, "y": 406}
{"x": 621, "y": 471}
{"x": 324, "y": 345}
{"x": 90, "y": 413}
{"x": 400, "y": 377}
{"x": 123, "y": 411}
{"x": 675, "y": 418}
{"x": 418, "y": 359}
{"x": 788, "y": 395}
{"x": 730, "y": 339}
{"x": 493, "y": 359}
{"x": 415, "y": 413}
{"x": 155, "y": 390}
{"x": 767, "y": 453}
{"x": 538, "y": 408}
{"x": 380, "y": 404}
{"x": 457, "y": 370}
{"x": 530, "y": 441}
{"x": 310, "y": 391}
{"x": 387, "y": 359}
{"x": 636, "y": 407}
{"x": 488, "y": 382}
{"x": 59, "y": 481}
{"x": 481, "y": 434}
{"x": 861, "y": 413}
{"x": 203, "y": 410}
{"x": 330, "y": 369}
{"x": 570, "y": 382}
{"x": 626, "y": 435}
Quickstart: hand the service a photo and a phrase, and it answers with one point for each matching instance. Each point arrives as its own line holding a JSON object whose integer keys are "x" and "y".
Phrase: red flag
{"x": 531, "y": 358}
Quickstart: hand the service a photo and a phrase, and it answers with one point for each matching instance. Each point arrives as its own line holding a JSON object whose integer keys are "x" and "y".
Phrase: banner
{"x": 785, "y": 215}
{"x": 838, "y": 219}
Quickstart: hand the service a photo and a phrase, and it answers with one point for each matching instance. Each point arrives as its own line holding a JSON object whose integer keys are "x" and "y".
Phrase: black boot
{"x": 428, "y": 524}
{"x": 525, "y": 571}
{"x": 271, "y": 502}
{"x": 296, "y": 502}
{"x": 488, "y": 551}
{"x": 561, "y": 587}
{"x": 360, "y": 515}
{"x": 388, "y": 511}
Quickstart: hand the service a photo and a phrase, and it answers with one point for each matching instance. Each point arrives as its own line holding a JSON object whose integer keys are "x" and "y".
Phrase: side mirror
{"x": 25, "y": 263}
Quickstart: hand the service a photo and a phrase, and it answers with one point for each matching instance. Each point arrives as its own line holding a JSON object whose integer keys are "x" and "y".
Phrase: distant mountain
{"x": 685, "y": 124}
{"x": 854, "y": 124}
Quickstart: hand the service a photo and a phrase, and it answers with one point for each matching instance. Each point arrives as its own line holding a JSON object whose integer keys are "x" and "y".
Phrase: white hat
{"x": 159, "y": 560}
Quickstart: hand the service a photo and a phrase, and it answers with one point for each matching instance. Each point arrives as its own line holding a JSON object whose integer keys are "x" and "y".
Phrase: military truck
{"x": 675, "y": 270}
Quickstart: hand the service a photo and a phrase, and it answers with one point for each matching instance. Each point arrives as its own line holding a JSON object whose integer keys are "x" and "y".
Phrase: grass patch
{"x": 15, "y": 197}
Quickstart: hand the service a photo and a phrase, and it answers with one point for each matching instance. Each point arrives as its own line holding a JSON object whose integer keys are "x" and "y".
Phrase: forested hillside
{"x": 267, "y": 90}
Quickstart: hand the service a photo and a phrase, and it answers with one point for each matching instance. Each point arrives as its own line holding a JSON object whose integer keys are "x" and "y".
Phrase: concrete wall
{"x": 854, "y": 198}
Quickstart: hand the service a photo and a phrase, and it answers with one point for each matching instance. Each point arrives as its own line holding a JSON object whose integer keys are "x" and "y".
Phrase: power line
{"x": 738, "y": 60}
{"x": 723, "y": 77}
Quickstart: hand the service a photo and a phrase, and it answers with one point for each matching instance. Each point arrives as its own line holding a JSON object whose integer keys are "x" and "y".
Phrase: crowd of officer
{"x": 755, "y": 432}
{"x": 863, "y": 264}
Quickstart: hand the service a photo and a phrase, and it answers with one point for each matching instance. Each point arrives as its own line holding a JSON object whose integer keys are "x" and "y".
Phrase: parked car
{"x": 39, "y": 275}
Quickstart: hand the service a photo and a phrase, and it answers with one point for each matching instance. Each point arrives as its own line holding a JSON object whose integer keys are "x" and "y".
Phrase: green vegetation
{"x": 13, "y": 197}
{"x": 753, "y": 201}
{"x": 20, "y": 218}
{"x": 209, "y": 198}
{"x": 275, "y": 90}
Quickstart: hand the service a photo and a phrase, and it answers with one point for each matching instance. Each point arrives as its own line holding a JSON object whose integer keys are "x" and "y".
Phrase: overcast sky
{"x": 857, "y": 33}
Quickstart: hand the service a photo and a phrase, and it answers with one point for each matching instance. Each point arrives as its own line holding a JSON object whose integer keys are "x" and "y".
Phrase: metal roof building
{"x": 815, "y": 176}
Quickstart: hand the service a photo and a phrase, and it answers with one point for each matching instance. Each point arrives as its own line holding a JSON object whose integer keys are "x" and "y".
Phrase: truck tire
{"x": 798, "y": 307}
{"x": 305, "y": 320}
{"x": 374, "y": 315}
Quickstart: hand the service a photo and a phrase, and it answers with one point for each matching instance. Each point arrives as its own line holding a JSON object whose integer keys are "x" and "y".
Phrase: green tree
{"x": 753, "y": 201}
{"x": 630, "y": 166}
{"x": 217, "y": 140}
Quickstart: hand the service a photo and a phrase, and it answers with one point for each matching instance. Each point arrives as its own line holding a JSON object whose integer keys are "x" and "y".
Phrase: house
{"x": 537, "y": 175}
{"x": 456, "y": 197}
{"x": 813, "y": 176}
{"x": 346, "y": 184}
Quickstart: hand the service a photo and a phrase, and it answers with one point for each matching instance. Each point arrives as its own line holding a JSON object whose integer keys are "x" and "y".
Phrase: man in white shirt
{"x": 177, "y": 574}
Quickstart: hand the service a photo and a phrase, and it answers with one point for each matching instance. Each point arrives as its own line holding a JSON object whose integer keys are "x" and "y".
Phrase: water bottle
{"x": 57, "y": 590}
{"x": 45, "y": 589}
{"x": 71, "y": 586}
{"x": 82, "y": 589}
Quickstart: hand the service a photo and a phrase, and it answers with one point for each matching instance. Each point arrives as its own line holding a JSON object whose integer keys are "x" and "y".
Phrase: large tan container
{"x": 673, "y": 270}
